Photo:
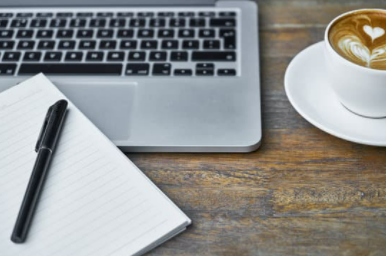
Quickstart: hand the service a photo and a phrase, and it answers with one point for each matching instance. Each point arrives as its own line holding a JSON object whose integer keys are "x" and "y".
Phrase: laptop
{"x": 153, "y": 75}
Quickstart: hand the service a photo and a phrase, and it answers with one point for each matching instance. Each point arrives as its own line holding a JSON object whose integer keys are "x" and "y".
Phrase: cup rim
{"x": 340, "y": 57}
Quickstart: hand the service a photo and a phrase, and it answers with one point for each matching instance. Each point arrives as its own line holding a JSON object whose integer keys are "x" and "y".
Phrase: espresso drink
{"x": 360, "y": 37}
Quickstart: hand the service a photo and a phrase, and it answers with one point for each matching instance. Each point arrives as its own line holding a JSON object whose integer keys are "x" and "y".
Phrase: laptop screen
{"x": 37, "y": 3}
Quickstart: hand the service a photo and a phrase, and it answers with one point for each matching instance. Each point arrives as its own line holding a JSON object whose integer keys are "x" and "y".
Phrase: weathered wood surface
{"x": 303, "y": 192}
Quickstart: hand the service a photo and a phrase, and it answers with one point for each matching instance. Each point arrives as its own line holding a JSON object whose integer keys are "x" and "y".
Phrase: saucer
{"x": 310, "y": 94}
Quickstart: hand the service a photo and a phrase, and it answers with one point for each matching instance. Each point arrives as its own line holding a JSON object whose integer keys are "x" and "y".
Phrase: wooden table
{"x": 303, "y": 192}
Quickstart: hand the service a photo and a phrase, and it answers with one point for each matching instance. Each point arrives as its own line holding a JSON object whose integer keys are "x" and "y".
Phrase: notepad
{"x": 95, "y": 201}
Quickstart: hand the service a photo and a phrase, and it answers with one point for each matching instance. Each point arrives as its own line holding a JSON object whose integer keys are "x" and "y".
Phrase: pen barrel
{"x": 31, "y": 197}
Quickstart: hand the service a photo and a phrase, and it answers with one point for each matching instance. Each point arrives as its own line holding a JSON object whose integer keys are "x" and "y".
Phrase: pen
{"x": 45, "y": 147}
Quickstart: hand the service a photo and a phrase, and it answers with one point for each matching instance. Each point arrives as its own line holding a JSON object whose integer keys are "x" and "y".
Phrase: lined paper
{"x": 95, "y": 201}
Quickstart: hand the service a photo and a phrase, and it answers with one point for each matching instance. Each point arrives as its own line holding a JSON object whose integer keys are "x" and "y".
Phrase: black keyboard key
{"x": 165, "y": 14}
{"x": 158, "y": 56}
{"x": 128, "y": 44}
{"x": 7, "y": 69}
{"x": 44, "y": 34}
{"x": 107, "y": 44}
{"x": 44, "y": 15}
{"x": 26, "y": 45}
{"x": 211, "y": 44}
{"x": 19, "y": 23}
{"x": 23, "y": 33}
{"x": 205, "y": 66}
{"x": 6, "y": 45}
{"x": 229, "y": 36}
{"x": 74, "y": 56}
{"x": 105, "y": 14}
{"x": 227, "y": 14}
{"x": 226, "y": 72}
{"x": 204, "y": 72}
{"x": 87, "y": 45}
{"x": 145, "y": 33}
{"x": 186, "y": 14}
{"x": 58, "y": 23}
{"x": 32, "y": 56}
{"x": 169, "y": 44}
{"x": 179, "y": 56}
{"x": 165, "y": 33}
{"x": 3, "y": 23}
{"x": 98, "y": 23}
{"x": 206, "y": 14}
{"x": 197, "y": 22}
{"x": 24, "y": 15}
{"x": 46, "y": 45}
{"x": 38, "y": 23}
{"x": 64, "y": 14}
{"x": 65, "y": 33}
{"x": 117, "y": 23}
{"x": 157, "y": 23}
{"x": 214, "y": 56}
{"x": 53, "y": 56}
{"x": 183, "y": 72}
{"x": 186, "y": 33}
{"x": 6, "y": 34}
{"x": 125, "y": 33}
{"x": 206, "y": 33}
{"x": 137, "y": 22}
{"x": 137, "y": 69}
{"x": 222, "y": 22}
{"x": 94, "y": 56}
{"x": 66, "y": 45}
{"x": 85, "y": 33}
{"x": 177, "y": 22}
{"x": 145, "y": 14}
{"x": 105, "y": 33}
{"x": 163, "y": 69}
{"x": 149, "y": 44}
{"x": 84, "y": 14}
{"x": 115, "y": 56}
{"x": 6, "y": 15}
{"x": 71, "y": 69}
{"x": 190, "y": 44}
{"x": 78, "y": 23}
{"x": 137, "y": 56}
{"x": 11, "y": 56}
{"x": 125, "y": 14}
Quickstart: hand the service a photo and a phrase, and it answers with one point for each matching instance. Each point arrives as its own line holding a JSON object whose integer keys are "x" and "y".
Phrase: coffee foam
{"x": 360, "y": 37}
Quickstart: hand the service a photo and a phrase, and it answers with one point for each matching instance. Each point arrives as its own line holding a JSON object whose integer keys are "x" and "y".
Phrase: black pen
{"x": 45, "y": 147}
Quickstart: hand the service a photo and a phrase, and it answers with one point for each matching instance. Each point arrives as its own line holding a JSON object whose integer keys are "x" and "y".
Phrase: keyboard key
{"x": 205, "y": 66}
{"x": 145, "y": 14}
{"x": 74, "y": 56}
{"x": 53, "y": 56}
{"x": 162, "y": 69}
{"x": 179, "y": 56}
{"x": 117, "y": 23}
{"x": 157, "y": 23}
{"x": 206, "y": 14}
{"x": 6, "y": 45}
{"x": 177, "y": 22}
{"x": 95, "y": 56}
{"x": 26, "y": 45}
{"x": 186, "y": 33}
{"x": 87, "y": 44}
{"x": 67, "y": 45}
{"x": 204, "y": 72}
{"x": 137, "y": 69}
{"x": 24, "y": 15}
{"x": 46, "y": 45}
{"x": 3, "y": 23}
{"x": 58, "y": 23}
{"x": 197, "y": 22}
{"x": 85, "y": 33}
{"x": 165, "y": 14}
{"x": 137, "y": 56}
{"x": 149, "y": 44}
{"x": 169, "y": 44}
{"x": 71, "y": 69}
{"x": 183, "y": 72}
{"x": 214, "y": 56}
{"x": 107, "y": 44}
{"x": 19, "y": 23}
{"x": 145, "y": 33}
{"x": 229, "y": 36}
{"x": 115, "y": 56}
{"x": 78, "y": 23}
{"x": 125, "y": 33}
{"x": 7, "y": 69}
{"x": 222, "y": 22}
{"x": 6, "y": 34}
{"x": 207, "y": 33}
{"x": 158, "y": 56}
{"x": 105, "y": 14}
{"x": 227, "y": 14}
{"x": 44, "y": 34}
{"x": 6, "y": 15}
{"x": 105, "y": 33}
{"x": 65, "y": 33}
{"x": 137, "y": 22}
{"x": 190, "y": 44}
{"x": 11, "y": 56}
{"x": 32, "y": 56}
{"x": 22, "y": 33}
{"x": 186, "y": 14}
{"x": 125, "y": 14}
{"x": 226, "y": 72}
{"x": 84, "y": 14}
{"x": 98, "y": 23}
{"x": 44, "y": 15}
{"x": 64, "y": 14}
{"x": 38, "y": 23}
{"x": 165, "y": 33}
{"x": 211, "y": 44}
{"x": 128, "y": 44}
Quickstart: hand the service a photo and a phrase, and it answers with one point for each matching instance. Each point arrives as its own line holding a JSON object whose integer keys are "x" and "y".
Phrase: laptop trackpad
{"x": 109, "y": 107}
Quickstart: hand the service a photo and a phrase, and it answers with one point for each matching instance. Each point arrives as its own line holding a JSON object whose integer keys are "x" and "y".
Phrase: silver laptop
{"x": 153, "y": 75}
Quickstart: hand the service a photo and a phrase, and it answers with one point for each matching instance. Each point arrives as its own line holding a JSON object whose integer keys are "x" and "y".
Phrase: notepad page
{"x": 95, "y": 201}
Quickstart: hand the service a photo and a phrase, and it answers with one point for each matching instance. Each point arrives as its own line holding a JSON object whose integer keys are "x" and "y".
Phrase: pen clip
{"x": 43, "y": 130}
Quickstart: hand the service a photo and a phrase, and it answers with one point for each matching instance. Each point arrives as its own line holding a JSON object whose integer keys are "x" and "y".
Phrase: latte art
{"x": 360, "y": 37}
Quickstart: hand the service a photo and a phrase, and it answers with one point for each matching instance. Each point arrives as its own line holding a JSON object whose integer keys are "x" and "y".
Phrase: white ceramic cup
{"x": 360, "y": 89}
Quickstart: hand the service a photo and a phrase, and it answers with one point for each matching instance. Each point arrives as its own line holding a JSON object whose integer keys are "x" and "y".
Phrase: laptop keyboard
{"x": 120, "y": 43}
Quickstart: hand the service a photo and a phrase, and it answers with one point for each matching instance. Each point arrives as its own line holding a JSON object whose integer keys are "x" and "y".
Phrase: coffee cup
{"x": 354, "y": 58}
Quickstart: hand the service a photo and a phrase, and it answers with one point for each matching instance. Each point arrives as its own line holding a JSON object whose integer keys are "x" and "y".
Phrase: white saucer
{"x": 310, "y": 94}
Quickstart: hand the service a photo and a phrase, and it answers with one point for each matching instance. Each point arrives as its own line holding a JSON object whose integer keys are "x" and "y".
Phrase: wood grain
{"x": 303, "y": 192}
